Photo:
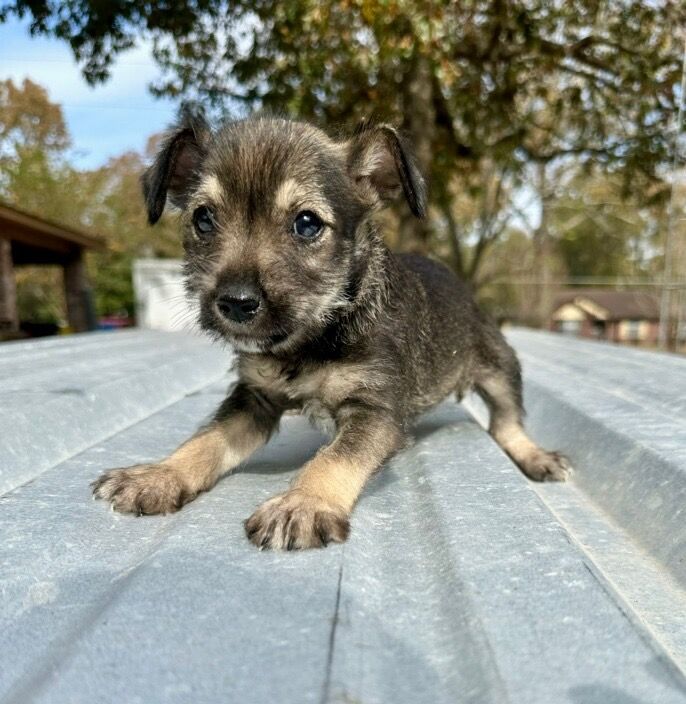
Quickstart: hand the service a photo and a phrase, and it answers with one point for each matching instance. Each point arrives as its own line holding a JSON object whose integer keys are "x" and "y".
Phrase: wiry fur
{"x": 359, "y": 338}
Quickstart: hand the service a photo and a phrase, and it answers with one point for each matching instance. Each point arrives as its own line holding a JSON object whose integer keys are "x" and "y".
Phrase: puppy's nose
{"x": 239, "y": 303}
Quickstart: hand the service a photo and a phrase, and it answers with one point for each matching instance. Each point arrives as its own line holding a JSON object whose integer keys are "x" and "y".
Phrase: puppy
{"x": 285, "y": 261}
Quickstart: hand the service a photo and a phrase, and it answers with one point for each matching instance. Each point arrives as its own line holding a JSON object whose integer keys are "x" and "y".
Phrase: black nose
{"x": 239, "y": 304}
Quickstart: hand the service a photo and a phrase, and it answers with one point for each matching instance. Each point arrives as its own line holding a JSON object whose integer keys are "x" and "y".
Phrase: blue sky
{"x": 103, "y": 121}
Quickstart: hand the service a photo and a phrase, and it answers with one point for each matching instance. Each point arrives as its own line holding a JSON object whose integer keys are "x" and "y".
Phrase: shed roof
{"x": 618, "y": 304}
{"x": 32, "y": 233}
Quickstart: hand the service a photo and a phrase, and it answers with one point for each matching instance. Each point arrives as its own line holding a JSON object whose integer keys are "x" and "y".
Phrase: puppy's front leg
{"x": 315, "y": 511}
{"x": 241, "y": 425}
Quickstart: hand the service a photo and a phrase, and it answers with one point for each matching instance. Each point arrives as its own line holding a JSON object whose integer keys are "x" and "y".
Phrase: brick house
{"x": 616, "y": 316}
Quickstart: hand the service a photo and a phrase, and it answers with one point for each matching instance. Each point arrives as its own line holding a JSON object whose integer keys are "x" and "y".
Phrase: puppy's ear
{"x": 176, "y": 164}
{"x": 382, "y": 166}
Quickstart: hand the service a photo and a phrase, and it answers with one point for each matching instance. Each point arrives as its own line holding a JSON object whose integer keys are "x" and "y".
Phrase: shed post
{"x": 9, "y": 317}
{"x": 79, "y": 313}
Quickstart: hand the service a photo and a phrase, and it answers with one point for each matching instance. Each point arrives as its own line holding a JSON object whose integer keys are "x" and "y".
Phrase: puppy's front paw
{"x": 295, "y": 521}
{"x": 143, "y": 489}
{"x": 544, "y": 466}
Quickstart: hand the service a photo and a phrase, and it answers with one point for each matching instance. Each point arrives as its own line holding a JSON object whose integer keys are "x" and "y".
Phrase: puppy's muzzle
{"x": 239, "y": 304}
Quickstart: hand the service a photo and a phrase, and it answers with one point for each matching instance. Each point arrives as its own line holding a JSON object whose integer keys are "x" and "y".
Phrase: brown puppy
{"x": 286, "y": 263}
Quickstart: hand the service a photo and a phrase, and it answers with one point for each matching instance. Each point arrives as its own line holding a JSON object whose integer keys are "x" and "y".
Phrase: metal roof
{"x": 461, "y": 581}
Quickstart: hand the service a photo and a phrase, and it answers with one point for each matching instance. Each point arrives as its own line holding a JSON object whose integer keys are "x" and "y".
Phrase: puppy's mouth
{"x": 255, "y": 336}
{"x": 244, "y": 342}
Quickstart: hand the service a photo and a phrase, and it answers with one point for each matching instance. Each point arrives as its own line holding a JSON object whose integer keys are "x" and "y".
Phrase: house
{"x": 615, "y": 316}
{"x": 27, "y": 239}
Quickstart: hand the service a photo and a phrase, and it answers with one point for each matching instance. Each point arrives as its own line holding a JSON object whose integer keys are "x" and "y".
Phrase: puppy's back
{"x": 456, "y": 339}
{"x": 438, "y": 281}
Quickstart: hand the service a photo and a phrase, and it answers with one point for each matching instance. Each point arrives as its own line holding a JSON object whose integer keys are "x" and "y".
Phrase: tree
{"x": 473, "y": 211}
{"x": 596, "y": 231}
{"x": 481, "y": 84}
{"x": 504, "y": 289}
{"x": 29, "y": 120}
{"x": 33, "y": 142}
{"x": 593, "y": 230}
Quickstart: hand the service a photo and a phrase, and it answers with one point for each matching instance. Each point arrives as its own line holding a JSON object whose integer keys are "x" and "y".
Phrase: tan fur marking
{"x": 506, "y": 428}
{"x": 194, "y": 467}
{"x": 211, "y": 188}
{"x": 292, "y": 194}
{"x": 338, "y": 475}
{"x": 287, "y": 193}
{"x": 512, "y": 438}
{"x": 336, "y": 480}
{"x": 330, "y": 384}
{"x": 216, "y": 450}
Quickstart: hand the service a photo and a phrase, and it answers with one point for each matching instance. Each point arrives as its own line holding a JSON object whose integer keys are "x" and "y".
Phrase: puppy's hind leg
{"x": 501, "y": 390}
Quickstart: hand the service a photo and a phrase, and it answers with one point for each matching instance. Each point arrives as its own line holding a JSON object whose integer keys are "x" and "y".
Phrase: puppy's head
{"x": 275, "y": 218}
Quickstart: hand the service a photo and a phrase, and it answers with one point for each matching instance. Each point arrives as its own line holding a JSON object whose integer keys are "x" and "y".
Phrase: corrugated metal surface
{"x": 59, "y": 396}
{"x": 461, "y": 582}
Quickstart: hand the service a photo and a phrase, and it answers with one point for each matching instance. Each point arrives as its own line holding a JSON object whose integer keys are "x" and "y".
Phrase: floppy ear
{"x": 176, "y": 164}
{"x": 381, "y": 165}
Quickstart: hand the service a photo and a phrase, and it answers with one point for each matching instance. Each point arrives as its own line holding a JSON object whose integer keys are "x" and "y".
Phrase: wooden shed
{"x": 27, "y": 239}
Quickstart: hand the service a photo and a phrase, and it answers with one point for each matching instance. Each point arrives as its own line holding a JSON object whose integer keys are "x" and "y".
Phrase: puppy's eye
{"x": 203, "y": 222}
{"x": 307, "y": 225}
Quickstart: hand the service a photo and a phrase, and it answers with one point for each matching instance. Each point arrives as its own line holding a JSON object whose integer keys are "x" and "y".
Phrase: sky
{"x": 103, "y": 121}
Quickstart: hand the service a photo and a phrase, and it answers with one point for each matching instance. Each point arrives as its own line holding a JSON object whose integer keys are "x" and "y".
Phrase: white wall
{"x": 161, "y": 302}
